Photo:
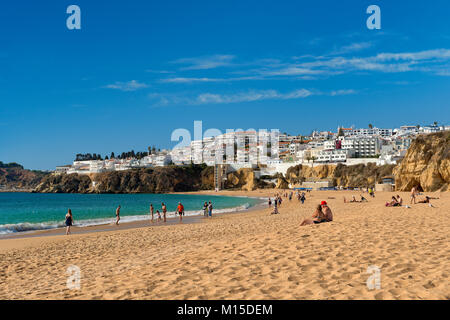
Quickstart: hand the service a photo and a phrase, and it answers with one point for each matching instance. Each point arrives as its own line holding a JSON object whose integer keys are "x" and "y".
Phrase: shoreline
{"x": 250, "y": 255}
{"x": 141, "y": 223}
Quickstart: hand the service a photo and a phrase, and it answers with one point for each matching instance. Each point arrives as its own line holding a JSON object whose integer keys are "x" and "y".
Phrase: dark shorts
{"x": 321, "y": 221}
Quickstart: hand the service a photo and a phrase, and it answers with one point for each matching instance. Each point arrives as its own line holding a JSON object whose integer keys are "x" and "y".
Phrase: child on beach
{"x": 69, "y": 221}
{"x": 151, "y": 210}
{"x": 159, "y": 215}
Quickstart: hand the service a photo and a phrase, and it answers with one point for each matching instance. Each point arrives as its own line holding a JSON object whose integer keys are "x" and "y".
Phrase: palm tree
{"x": 370, "y": 126}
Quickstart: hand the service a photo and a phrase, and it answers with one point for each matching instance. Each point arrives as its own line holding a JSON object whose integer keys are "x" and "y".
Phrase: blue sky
{"x": 137, "y": 70}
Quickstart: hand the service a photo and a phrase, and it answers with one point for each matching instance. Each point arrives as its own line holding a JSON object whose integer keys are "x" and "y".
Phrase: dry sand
{"x": 251, "y": 255}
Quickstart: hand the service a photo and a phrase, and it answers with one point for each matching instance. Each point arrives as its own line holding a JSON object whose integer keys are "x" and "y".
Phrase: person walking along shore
{"x": 69, "y": 221}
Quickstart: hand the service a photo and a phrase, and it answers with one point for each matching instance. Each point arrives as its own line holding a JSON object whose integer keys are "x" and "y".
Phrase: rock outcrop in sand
{"x": 426, "y": 164}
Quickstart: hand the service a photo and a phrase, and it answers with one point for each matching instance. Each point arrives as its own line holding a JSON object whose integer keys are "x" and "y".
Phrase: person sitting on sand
{"x": 353, "y": 200}
{"x": 317, "y": 217}
{"x": 327, "y": 211}
{"x": 399, "y": 200}
{"x": 322, "y": 214}
{"x": 394, "y": 202}
{"x": 69, "y": 221}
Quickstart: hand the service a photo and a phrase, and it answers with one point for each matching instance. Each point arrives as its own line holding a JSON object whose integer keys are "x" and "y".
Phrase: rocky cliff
{"x": 152, "y": 180}
{"x": 346, "y": 176}
{"x": 14, "y": 176}
{"x": 426, "y": 164}
{"x": 244, "y": 179}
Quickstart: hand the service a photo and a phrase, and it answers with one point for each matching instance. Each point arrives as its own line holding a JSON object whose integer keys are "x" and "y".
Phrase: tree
{"x": 370, "y": 126}
{"x": 435, "y": 123}
{"x": 112, "y": 155}
{"x": 340, "y": 132}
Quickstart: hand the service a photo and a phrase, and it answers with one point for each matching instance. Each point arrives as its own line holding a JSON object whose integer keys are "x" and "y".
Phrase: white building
{"x": 336, "y": 155}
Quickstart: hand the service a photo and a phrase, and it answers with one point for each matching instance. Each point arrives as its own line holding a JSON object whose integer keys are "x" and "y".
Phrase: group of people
{"x": 207, "y": 211}
{"x": 301, "y": 197}
{"x": 179, "y": 211}
{"x": 322, "y": 214}
{"x": 363, "y": 199}
{"x": 396, "y": 201}
{"x": 276, "y": 203}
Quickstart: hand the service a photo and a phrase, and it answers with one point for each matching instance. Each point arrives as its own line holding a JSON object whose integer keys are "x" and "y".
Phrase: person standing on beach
{"x": 303, "y": 198}
{"x": 413, "y": 195}
{"x": 270, "y": 202}
{"x": 275, "y": 206}
{"x": 69, "y": 221}
{"x": 180, "y": 211}
{"x": 205, "y": 209}
{"x": 117, "y": 215}
{"x": 210, "y": 208}
{"x": 164, "y": 210}
{"x": 151, "y": 210}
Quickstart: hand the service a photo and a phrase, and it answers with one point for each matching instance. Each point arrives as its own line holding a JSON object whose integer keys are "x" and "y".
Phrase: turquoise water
{"x": 35, "y": 211}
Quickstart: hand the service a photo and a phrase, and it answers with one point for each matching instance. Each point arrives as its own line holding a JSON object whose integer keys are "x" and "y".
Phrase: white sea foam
{"x": 25, "y": 226}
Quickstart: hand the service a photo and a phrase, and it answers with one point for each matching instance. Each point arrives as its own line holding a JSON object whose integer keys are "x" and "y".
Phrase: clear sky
{"x": 137, "y": 70}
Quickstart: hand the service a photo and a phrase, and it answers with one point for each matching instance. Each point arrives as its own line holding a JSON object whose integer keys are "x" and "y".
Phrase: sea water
{"x": 39, "y": 211}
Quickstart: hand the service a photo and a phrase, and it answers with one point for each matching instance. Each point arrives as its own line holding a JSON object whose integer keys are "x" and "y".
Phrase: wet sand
{"x": 250, "y": 255}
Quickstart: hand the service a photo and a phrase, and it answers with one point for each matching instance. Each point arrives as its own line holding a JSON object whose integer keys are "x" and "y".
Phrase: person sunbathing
{"x": 354, "y": 199}
{"x": 393, "y": 203}
{"x": 426, "y": 200}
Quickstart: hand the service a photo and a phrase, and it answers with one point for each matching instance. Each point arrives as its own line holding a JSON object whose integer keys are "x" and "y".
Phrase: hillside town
{"x": 273, "y": 151}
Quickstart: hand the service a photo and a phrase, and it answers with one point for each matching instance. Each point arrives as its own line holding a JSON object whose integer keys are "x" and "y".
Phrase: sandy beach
{"x": 247, "y": 255}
